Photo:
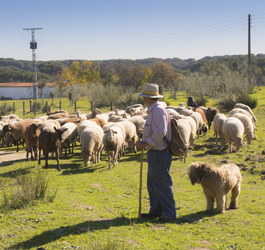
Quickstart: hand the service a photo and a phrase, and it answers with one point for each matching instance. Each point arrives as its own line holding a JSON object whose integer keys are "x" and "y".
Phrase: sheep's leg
{"x": 216, "y": 139}
{"x": 57, "y": 157}
{"x": 72, "y": 148}
{"x": 17, "y": 145}
{"x": 39, "y": 153}
{"x": 46, "y": 156}
{"x": 109, "y": 157}
{"x": 35, "y": 148}
{"x": 115, "y": 158}
{"x": 31, "y": 151}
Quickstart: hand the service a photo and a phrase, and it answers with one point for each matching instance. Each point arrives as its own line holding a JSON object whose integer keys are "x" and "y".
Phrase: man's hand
{"x": 141, "y": 144}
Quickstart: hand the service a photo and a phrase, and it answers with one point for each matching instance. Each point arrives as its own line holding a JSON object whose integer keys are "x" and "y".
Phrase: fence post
{"x": 23, "y": 108}
{"x": 47, "y": 107}
{"x": 60, "y": 105}
{"x": 91, "y": 105}
{"x": 34, "y": 108}
{"x": 111, "y": 105}
{"x": 30, "y": 105}
{"x": 13, "y": 108}
{"x": 75, "y": 106}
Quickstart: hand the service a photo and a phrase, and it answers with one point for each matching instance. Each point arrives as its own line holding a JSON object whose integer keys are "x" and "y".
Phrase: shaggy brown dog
{"x": 217, "y": 183}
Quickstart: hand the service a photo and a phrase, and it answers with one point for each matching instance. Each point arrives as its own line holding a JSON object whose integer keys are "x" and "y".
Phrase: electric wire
{"x": 166, "y": 39}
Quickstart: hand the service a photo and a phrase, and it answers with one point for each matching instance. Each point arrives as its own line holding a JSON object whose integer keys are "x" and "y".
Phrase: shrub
{"x": 5, "y": 110}
{"x": 248, "y": 100}
{"x": 26, "y": 189}
{"x": 201, "y": 101}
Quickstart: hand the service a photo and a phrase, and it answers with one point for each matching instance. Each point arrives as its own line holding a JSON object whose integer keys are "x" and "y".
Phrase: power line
{"x": 10, "y": 20}
{"x": 175, "y": 38}
{"x": 18, "y": 13}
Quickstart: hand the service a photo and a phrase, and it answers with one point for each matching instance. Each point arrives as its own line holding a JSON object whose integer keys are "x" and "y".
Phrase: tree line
{"x": 223, "y": 77}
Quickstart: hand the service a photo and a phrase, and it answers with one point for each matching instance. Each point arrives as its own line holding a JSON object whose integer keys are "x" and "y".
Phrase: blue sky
{"x": 130, "y": 29}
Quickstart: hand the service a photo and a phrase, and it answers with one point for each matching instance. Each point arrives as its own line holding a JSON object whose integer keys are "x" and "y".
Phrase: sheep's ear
{"x": 64, "y": 129}
{"x": 115, "y": 132}
{"x": 55, "y": 128}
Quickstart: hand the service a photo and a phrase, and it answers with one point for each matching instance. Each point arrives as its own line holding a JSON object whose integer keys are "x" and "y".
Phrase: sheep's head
{"x": 239, "y": 143}
{"x": 110, "y": 134}
{"x": 249, "y": 137}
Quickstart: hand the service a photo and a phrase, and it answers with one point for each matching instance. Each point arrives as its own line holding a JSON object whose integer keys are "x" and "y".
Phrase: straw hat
{"x": 151, "y": 90}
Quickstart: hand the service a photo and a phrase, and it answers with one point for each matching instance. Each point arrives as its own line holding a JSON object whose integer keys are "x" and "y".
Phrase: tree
{"x": 41, "y": 85}
{"x": 86, "y": 72}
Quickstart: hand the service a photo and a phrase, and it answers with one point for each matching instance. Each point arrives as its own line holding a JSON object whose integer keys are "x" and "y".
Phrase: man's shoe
{"x": 149, "y": 215}
{"x": 166, "y": 218}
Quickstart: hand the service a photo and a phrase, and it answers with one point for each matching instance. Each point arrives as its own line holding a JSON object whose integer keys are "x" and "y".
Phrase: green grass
{"x": 97, "y": 208}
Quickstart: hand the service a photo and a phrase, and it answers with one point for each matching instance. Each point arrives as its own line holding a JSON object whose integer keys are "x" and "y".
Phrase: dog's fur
{"x": 217, "y": 183}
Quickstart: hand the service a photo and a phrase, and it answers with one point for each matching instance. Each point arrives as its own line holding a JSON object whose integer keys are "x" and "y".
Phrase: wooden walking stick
{"x": 140, "y": 188}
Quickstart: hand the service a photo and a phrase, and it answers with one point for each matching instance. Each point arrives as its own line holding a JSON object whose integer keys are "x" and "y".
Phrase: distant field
{"x": 97, "y": 208}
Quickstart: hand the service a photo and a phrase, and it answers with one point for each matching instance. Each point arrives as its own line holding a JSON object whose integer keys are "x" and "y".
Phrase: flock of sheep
{"x": 118, "y": 130}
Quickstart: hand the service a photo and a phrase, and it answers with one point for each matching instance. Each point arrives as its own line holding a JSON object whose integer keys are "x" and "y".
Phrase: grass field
{"x": 97, "y": 208}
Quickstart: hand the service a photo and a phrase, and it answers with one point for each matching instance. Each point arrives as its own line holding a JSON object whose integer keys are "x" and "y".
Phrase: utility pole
{"x": 33, "y": 46}
{"x": 249, "y": 53}
{"x": 249, "y": 48}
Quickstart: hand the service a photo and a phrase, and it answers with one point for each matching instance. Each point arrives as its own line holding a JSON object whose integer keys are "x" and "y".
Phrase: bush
{"x": 248, "y": 100}
{"x": 5, "y": 110}
{"x": 27, "y": 188}
{"x": 227, "y": 103}
{"x": 201, "y": 101}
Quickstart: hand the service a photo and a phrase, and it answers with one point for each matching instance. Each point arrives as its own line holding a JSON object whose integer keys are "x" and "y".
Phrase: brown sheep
{"x": 100, "y": 122}
{"x": 49, "y": 142}
{"x": 199, "y": 110}
{"x": 58, "y": 116}
{"x": 74, "y": 120}
{"x": 18, "y": 130}
{"x": 32, "y": 139}
{"x": 59, "y": 111}
{"x": 210, "y": 114}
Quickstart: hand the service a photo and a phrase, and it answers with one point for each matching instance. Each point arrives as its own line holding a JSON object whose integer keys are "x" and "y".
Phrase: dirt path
{"x": 7, "y": 157}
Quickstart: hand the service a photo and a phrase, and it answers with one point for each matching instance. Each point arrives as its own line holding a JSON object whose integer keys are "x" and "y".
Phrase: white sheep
{"x": 107, "y": 125}
{"x": 185, "y": 131}
{"x": 130, "y": 133}
{"x": 69, "y": 136}
{"x": 127, "y": 110}
{"x": 92, "y": 144}
{"x": 242, "y": 111}
{"x": 103, "y": 116}
{"x": 114, "y": 118}
{"x": 84, "y": 124}
{"x": 233, "y": 130}
{"x": 186, "y": 112}
{"x": 113, "y": 141}
{"x": 48, "y": 125}
{"x": 200, "y": 124}
{"x": 136, "y": 120}
{"x": 249, "y": 129}
{"x": 79, "y": 114}
{"x": 173, "y": 114}
{"x": 246, "y": 107}
{"x": 193, "y": 129}
{"x": 141, "y": 128}
{"x": 218, "y": 122}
